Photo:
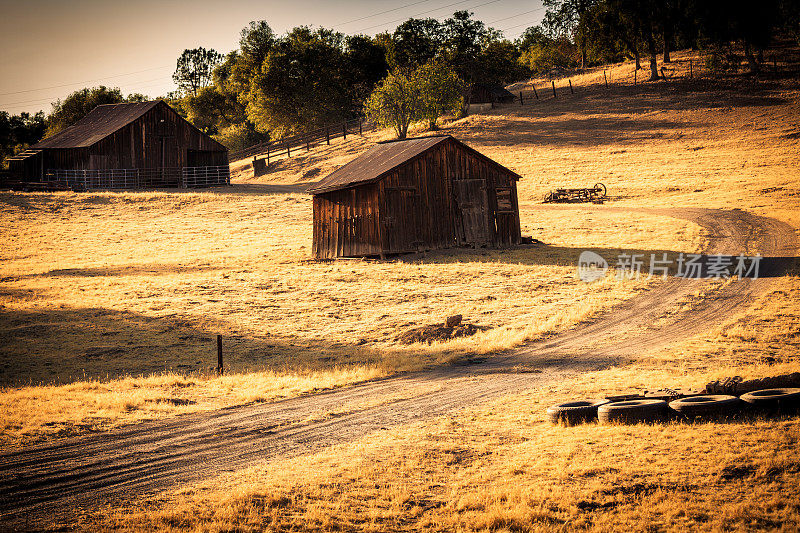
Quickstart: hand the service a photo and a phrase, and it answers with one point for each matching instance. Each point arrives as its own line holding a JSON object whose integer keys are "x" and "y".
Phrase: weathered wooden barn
{"x": 126, "y": 146}
{"x": 416, "y": 194}
{"x": 490, "y": 94}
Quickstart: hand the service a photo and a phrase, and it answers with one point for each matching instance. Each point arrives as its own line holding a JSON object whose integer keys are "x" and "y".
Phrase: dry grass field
{"x": 110, "y": 303}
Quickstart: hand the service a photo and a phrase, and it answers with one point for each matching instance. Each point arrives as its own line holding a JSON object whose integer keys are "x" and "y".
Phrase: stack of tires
{"x": 707, "y": 407}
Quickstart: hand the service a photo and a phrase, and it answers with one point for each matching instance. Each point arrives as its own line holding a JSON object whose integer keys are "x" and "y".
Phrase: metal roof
{"x": 382, "y": 158}
{"x": 98, "y": 124}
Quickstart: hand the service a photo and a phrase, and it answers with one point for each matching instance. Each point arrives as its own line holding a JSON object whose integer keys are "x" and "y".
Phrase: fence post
{"x": 634, "y": 76}
{"x": 521, "y": 99}
{"x": 268, "y": 155}
{"x": 536, "y": 94}
{"x": 344, "y": 129}
{"x": 605, "y": 78}
{"x": 570, "y": 87}
{"x": 288, "y": 150}
{"x": 220, "y": 369}
{"x": 308, "y": 143}
{"x": 554, "y": 88}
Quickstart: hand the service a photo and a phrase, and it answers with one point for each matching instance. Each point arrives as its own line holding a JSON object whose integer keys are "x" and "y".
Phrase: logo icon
{"x": 591, "y": 266}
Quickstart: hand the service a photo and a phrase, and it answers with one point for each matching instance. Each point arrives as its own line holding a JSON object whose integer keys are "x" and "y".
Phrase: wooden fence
{"x": 551, "y": 92}
{"x": 303, "y": 140}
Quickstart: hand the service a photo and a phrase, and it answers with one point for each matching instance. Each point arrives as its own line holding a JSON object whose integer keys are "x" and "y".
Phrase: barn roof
{"x": 98, "y": 124}
{"x": 382, "y": 158}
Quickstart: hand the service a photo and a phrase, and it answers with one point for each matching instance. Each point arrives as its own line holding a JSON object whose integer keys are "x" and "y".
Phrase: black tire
{"x": 575, "y": 412}
{"x": 779, "y": 400}
{"x": 706, "y": 406}
{"x": 632, "y": 412}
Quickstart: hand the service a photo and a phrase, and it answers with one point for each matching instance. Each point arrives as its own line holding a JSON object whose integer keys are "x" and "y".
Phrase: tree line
{"x": 275, "y": 85}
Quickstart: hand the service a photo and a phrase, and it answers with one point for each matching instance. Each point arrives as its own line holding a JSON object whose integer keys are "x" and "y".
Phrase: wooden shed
{"x": 490, "y": 94}
{"x": 126, "y": 146}
{"x": 416, "y": 194}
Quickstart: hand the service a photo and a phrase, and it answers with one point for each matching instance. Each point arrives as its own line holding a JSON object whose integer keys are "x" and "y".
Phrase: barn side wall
{"x": 346, "y": 223}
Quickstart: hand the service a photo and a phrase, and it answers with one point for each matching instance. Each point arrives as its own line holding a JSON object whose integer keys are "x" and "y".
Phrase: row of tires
{"x": 768, "y": 401}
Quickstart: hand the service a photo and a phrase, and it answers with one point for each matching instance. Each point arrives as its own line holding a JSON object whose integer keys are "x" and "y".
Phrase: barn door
{"x": 401, "y": 220}
{"x": 473, "y": 205}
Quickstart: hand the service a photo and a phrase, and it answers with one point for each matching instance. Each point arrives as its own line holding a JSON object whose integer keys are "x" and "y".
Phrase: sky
{"x": 49, "y": 48}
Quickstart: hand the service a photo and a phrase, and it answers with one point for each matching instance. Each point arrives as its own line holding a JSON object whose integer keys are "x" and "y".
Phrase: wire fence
{"x": 142, "y": 178}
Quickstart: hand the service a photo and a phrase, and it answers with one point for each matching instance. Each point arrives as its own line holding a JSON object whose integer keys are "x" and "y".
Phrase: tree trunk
{"x": 667, "y": 38}
{"x": 634, "y": 51}
{"x": 651, "y": 47}
{"x": 751, "y": 59}
{"x": 466, "y": 96}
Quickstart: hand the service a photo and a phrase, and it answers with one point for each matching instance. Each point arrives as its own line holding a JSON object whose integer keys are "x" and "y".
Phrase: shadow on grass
{"x": 66, "y": 345}
{"x": 621, "y": 114}
{"x": 113, "y": 271}
{"x": 565, "y": 256}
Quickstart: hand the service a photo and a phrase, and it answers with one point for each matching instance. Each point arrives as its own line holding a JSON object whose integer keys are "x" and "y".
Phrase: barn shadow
{"x": 565, "y": 256}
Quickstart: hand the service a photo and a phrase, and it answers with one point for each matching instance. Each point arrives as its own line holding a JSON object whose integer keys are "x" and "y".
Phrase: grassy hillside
{"x": 98, "y": 287}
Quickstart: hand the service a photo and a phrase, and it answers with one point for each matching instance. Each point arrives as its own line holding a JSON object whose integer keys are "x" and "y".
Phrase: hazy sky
{"x": 49, "y": 48}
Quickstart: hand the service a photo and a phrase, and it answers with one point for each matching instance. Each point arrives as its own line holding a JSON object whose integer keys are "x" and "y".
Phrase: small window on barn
{"x": 504, "y": 202}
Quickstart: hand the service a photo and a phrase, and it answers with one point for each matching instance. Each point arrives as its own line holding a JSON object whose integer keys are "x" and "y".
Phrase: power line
{"x": 84, "y": 82}
{"x": 429, "y": 11}
{"x": 50, "y": 99}
{"x": 517, "y": 26}
{"x": 381, "y": 13}
{"x": 517, "y": 15}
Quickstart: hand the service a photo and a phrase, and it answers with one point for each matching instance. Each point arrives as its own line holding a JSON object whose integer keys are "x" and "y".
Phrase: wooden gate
{"x": 473, "y": 204}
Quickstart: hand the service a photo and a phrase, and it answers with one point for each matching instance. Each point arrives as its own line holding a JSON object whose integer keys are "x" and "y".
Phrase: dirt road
{"x": 47, "y": 484}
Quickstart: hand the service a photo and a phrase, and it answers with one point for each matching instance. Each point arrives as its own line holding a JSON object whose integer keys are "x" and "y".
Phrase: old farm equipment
{"x": 594, "y": 194}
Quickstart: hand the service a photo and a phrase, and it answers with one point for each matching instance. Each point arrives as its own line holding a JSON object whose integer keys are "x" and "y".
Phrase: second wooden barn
{"x": 126, "y": 146}
{"x": 416, "y": 194}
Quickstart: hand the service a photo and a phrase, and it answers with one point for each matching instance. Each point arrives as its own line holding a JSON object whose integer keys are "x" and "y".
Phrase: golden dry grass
{"x": 37, "y": 413}
{"x": 138, "y": 283}
{"x": 503, "y": 467}
{"x": 90, "y": 284}
{"x": 98, "y": 286}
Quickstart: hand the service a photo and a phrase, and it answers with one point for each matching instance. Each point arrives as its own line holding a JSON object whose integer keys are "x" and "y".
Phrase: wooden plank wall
{"x": 412, "y": 208}
{"x": 346, "y": 223}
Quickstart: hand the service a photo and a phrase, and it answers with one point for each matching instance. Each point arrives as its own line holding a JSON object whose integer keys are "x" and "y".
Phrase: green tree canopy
{"x": 77, "y": 105}
{"x": 395, "y": 103}
{"x": 440, "y": 91}
{"x": 425, "y": 93}
{"x": 302, "y": 84}
{"x": 414, "y": 43}
{"x": 17, "y": 132}
{"x": 195, "y": 69}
